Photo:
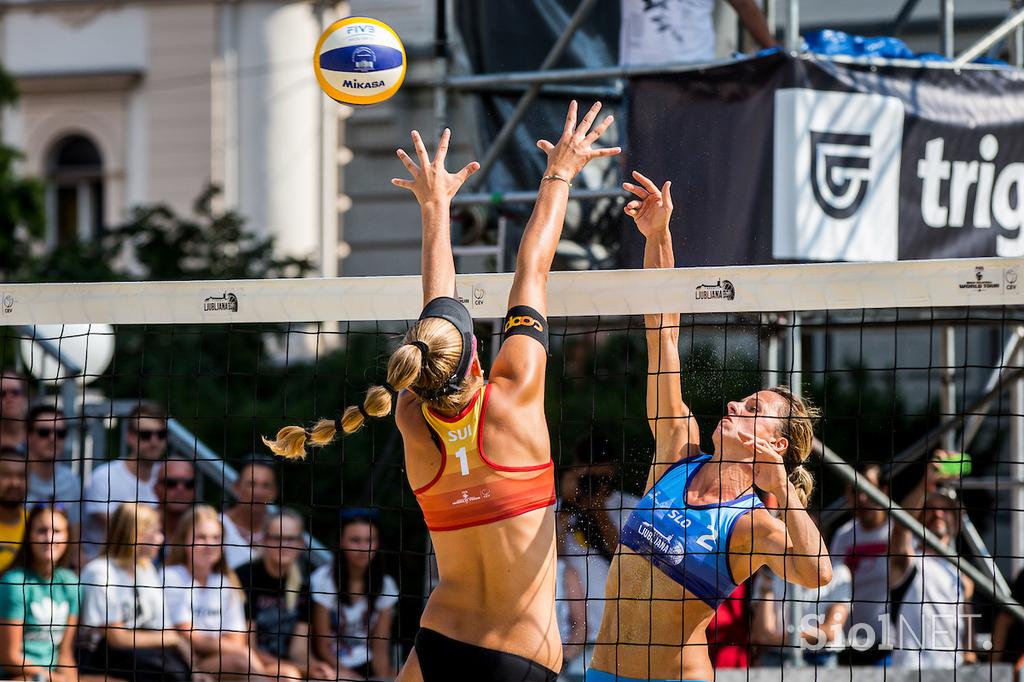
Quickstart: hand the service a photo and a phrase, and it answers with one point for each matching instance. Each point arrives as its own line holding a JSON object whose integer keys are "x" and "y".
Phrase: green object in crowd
{"x": 955, "y": 464}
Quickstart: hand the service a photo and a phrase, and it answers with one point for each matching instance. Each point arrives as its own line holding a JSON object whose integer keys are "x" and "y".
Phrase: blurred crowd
{"x": 127, "y": 575}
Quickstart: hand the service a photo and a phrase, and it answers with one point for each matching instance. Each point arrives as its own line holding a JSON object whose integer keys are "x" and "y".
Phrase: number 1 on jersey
{"x": 463, "y": 460}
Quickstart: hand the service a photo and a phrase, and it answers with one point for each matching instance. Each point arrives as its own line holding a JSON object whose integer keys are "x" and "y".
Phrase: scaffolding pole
{"x": 487, "y": 80}
{"x": 793, "y": 25}
{"x": 973, "y": 423}
{"x": 441, "y": 54}
{"x": 1017, "y": 39}
{"x": 1017, "y": 467}
{"x": 528, "y": 197}
{"x": 905, "y": 519}
{"x": 920, "y": 447}
{"x": 947, "y": 383}
{"x": 501, "y": 140}
{"x": 1013, "y": 22}
{"x": 946, "y": 28}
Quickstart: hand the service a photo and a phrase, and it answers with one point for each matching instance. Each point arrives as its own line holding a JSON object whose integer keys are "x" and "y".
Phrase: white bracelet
{"x": 556, "y": 177}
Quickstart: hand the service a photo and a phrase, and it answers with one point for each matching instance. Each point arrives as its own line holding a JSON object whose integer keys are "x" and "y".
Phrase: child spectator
{"x": 39, "y": 602}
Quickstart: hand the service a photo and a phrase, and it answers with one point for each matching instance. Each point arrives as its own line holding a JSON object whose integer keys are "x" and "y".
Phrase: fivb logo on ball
{"x": 359, "y": 61}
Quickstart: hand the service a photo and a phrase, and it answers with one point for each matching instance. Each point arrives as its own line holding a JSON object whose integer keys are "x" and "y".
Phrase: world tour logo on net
{"x": 840, "y": 172}
{"x": 722, "y": 290}
{"x": 227, "y": 302}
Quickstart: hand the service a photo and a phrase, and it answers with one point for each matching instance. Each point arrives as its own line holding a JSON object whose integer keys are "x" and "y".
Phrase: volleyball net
{"x": 908, "y": 362}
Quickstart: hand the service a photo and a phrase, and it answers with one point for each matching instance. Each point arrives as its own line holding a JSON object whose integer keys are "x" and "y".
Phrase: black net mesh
{"x": 321, "y": 568}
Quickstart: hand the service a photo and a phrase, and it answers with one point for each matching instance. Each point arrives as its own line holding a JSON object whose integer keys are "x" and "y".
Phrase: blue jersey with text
{"x": 689, "y": 543}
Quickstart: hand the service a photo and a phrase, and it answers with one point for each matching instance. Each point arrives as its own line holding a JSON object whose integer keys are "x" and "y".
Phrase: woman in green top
{"x": 39, "y": 602}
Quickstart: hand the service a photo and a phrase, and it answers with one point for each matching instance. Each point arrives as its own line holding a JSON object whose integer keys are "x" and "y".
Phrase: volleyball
{"x": 359, "y": 61}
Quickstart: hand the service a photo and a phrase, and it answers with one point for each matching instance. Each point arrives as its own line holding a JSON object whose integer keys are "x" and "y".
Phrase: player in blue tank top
{"x": 701, "y": 529}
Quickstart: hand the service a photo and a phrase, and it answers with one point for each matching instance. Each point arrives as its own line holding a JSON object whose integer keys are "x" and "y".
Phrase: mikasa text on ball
{"x": 359, "y": 61}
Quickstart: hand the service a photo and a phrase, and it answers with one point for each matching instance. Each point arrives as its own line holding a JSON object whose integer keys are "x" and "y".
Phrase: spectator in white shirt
{"x": 255, "y": 492}
{"x": 862, "y": 544}
{"x": 662, "y": 31}
{"x": 929, "y": 598}
{"x": 207, "y": 602}
{"x": 129, "y": 479}
{"x": 788, "y": 619}
{"x": 124, "y": 611}
{"x": 354, "y": 603}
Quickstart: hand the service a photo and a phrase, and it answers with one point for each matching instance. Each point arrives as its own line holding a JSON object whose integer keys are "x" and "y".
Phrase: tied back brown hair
{"x": 797, "y": 427}
{"x": 407, "y": 368}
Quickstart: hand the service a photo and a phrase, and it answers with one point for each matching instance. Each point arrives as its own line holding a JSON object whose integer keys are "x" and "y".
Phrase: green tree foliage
{"x": 156, "y": 243}
{"x": 21, "y": 199}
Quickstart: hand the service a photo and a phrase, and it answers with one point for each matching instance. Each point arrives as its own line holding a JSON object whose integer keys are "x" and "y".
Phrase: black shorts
{"x": 443, "y": 658}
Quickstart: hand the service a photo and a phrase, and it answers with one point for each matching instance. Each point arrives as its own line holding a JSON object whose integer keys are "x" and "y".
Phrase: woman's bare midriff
{"x": 652, "y": 626}
{"x": 497, "y": 587}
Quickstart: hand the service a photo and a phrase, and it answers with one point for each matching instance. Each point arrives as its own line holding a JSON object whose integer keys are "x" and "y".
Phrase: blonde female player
{"x": 477, "y": 453}
{"x": 700, "y": 529}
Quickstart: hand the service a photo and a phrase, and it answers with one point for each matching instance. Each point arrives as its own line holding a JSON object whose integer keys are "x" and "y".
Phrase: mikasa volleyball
{"x": 359, "y": 61}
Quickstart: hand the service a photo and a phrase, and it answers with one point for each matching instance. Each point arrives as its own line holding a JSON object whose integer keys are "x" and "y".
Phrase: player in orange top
{"x": 487, "y": 494}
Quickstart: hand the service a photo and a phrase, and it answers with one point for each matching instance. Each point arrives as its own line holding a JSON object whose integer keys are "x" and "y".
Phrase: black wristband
{"x": 524, "y": 320}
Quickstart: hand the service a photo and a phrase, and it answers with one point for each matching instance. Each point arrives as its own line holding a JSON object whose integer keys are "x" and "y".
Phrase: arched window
{"x": 74, "y": 193}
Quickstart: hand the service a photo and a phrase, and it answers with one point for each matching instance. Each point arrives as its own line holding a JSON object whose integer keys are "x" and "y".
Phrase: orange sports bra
{"x": 469, "y": 489}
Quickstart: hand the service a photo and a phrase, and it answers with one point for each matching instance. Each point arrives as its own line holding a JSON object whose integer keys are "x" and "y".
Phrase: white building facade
{"x": 125, "y": 104}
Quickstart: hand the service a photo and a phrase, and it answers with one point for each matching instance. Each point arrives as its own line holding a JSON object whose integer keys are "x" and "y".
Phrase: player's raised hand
{"x": 652, "y": 208}
{"x": 431, "y": 182}
{"x": 574, "y": 148}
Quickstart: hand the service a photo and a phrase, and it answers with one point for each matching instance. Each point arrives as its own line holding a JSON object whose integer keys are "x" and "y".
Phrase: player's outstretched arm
{"x": 520, "y": 360}
{"x": 674, "y": 429}
{"x": 434, "y": 188}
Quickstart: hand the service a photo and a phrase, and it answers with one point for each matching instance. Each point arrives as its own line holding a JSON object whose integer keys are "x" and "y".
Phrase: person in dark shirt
{"x": 277, "y": 599}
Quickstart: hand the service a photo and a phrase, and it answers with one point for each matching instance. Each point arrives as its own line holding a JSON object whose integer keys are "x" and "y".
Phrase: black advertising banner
{"x": 790, "y": 159}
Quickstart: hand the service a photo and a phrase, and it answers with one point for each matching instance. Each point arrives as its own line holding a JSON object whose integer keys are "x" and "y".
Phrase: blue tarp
{"x": 829, "y": 42}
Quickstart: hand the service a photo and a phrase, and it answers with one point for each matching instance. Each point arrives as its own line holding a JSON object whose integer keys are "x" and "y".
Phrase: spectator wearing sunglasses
{"x": 12, "y": 503}
{"x": 175, "y": 491}
{"x": 13, "y": 409}
{"x": 49, "y": 478}
{"x": 255, "y": 491}
{"x": 130, "y": 479}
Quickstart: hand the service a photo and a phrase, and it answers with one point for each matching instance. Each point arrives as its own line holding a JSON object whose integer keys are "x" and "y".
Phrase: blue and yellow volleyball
{"x": 359, "y": 61}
